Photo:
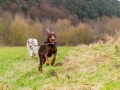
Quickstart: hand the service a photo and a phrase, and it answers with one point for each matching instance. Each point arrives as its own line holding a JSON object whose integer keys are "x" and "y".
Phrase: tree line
{"x": 73, "y": 10}
{"x": 14, "y": 31}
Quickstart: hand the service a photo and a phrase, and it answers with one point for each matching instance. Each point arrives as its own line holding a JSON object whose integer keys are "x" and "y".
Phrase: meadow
{"x": 18, "y": 71}
{"x": 85, "y": 67}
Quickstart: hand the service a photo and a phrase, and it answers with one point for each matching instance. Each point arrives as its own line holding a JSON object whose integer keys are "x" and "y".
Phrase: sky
{"x": 118, "y": 0}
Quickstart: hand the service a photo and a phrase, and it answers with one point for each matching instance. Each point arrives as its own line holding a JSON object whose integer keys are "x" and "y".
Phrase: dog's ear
{"x": 48, "y": 31}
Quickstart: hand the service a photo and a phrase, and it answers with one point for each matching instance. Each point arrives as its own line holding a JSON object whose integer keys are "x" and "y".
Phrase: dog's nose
{"x": 30, "y": 46}
{"x": 53, "y": 38}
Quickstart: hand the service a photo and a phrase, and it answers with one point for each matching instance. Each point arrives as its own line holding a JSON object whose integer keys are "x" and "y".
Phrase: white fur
{"x": 32, "y": 46}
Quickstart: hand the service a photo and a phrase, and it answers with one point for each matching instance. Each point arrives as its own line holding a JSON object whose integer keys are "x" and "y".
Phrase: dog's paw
{"x": 47, "y": 63}
{"x": 52, "y": 63}
{"x": 40, "y": 69}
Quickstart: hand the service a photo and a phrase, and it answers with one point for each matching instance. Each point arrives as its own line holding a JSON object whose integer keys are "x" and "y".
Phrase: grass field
{"x": 18, "y": 71}
{"x": 93, "y": 67}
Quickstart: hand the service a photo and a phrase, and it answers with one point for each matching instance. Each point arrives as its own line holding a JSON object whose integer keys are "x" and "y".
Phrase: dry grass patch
{"x": 92, "y": 67}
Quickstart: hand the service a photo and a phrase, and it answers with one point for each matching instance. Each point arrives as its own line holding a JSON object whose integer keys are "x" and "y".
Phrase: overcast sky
{"x": 118, "y": 0}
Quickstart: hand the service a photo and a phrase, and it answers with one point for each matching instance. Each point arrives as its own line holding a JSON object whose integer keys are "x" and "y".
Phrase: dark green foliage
{"x": 13, "y": 0}
{"x": 57, "y": 2}
{"x": 23, "y": 7}
{"x": 0, "y": 2}
{"x": 93, "y": 9}
{"x": 88, "y": 9}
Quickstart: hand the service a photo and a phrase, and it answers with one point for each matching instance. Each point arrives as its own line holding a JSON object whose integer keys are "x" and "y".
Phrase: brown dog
{"x": 47, "y": 50}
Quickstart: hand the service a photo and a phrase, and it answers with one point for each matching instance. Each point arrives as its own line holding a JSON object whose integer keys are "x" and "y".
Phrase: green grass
{"x": 19, "y": 71}
{"x": 93, "y": 67}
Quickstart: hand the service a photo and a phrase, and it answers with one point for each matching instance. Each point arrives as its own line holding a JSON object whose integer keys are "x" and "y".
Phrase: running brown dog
{"x": 47, "y": 50}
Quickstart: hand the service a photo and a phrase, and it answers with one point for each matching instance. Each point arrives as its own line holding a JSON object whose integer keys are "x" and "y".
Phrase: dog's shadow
{"x": 35, "y": 58}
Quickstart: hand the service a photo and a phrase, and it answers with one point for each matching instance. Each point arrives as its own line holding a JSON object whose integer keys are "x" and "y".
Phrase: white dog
{"x": 32, "y": 47}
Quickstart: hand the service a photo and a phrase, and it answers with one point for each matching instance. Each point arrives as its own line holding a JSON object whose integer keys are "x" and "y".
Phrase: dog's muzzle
{"x": 52, "y": 41}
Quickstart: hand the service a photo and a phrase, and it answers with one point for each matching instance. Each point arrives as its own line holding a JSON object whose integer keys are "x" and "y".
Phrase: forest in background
{"x": 74, "y": 21}
{"x": 73, "y": 10}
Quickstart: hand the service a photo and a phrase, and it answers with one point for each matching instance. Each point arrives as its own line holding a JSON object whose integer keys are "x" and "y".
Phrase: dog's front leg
{"x": 40, "y": 66}
{"x": 53, "y": 60}
{"x": 46, "y": 58}
{"x": 31, "y": 53}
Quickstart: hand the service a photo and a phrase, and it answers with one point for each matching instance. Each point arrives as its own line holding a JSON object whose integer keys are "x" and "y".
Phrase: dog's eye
{"x": 50, "y": 35}
{"x": 54, "y": 35}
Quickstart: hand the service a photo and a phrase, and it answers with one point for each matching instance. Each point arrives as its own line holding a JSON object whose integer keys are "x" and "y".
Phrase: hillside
{"x": 74, "y": 10}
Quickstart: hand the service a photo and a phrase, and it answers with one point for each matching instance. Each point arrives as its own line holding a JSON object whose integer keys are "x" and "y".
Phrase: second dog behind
{"x": 32, "y": 47}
